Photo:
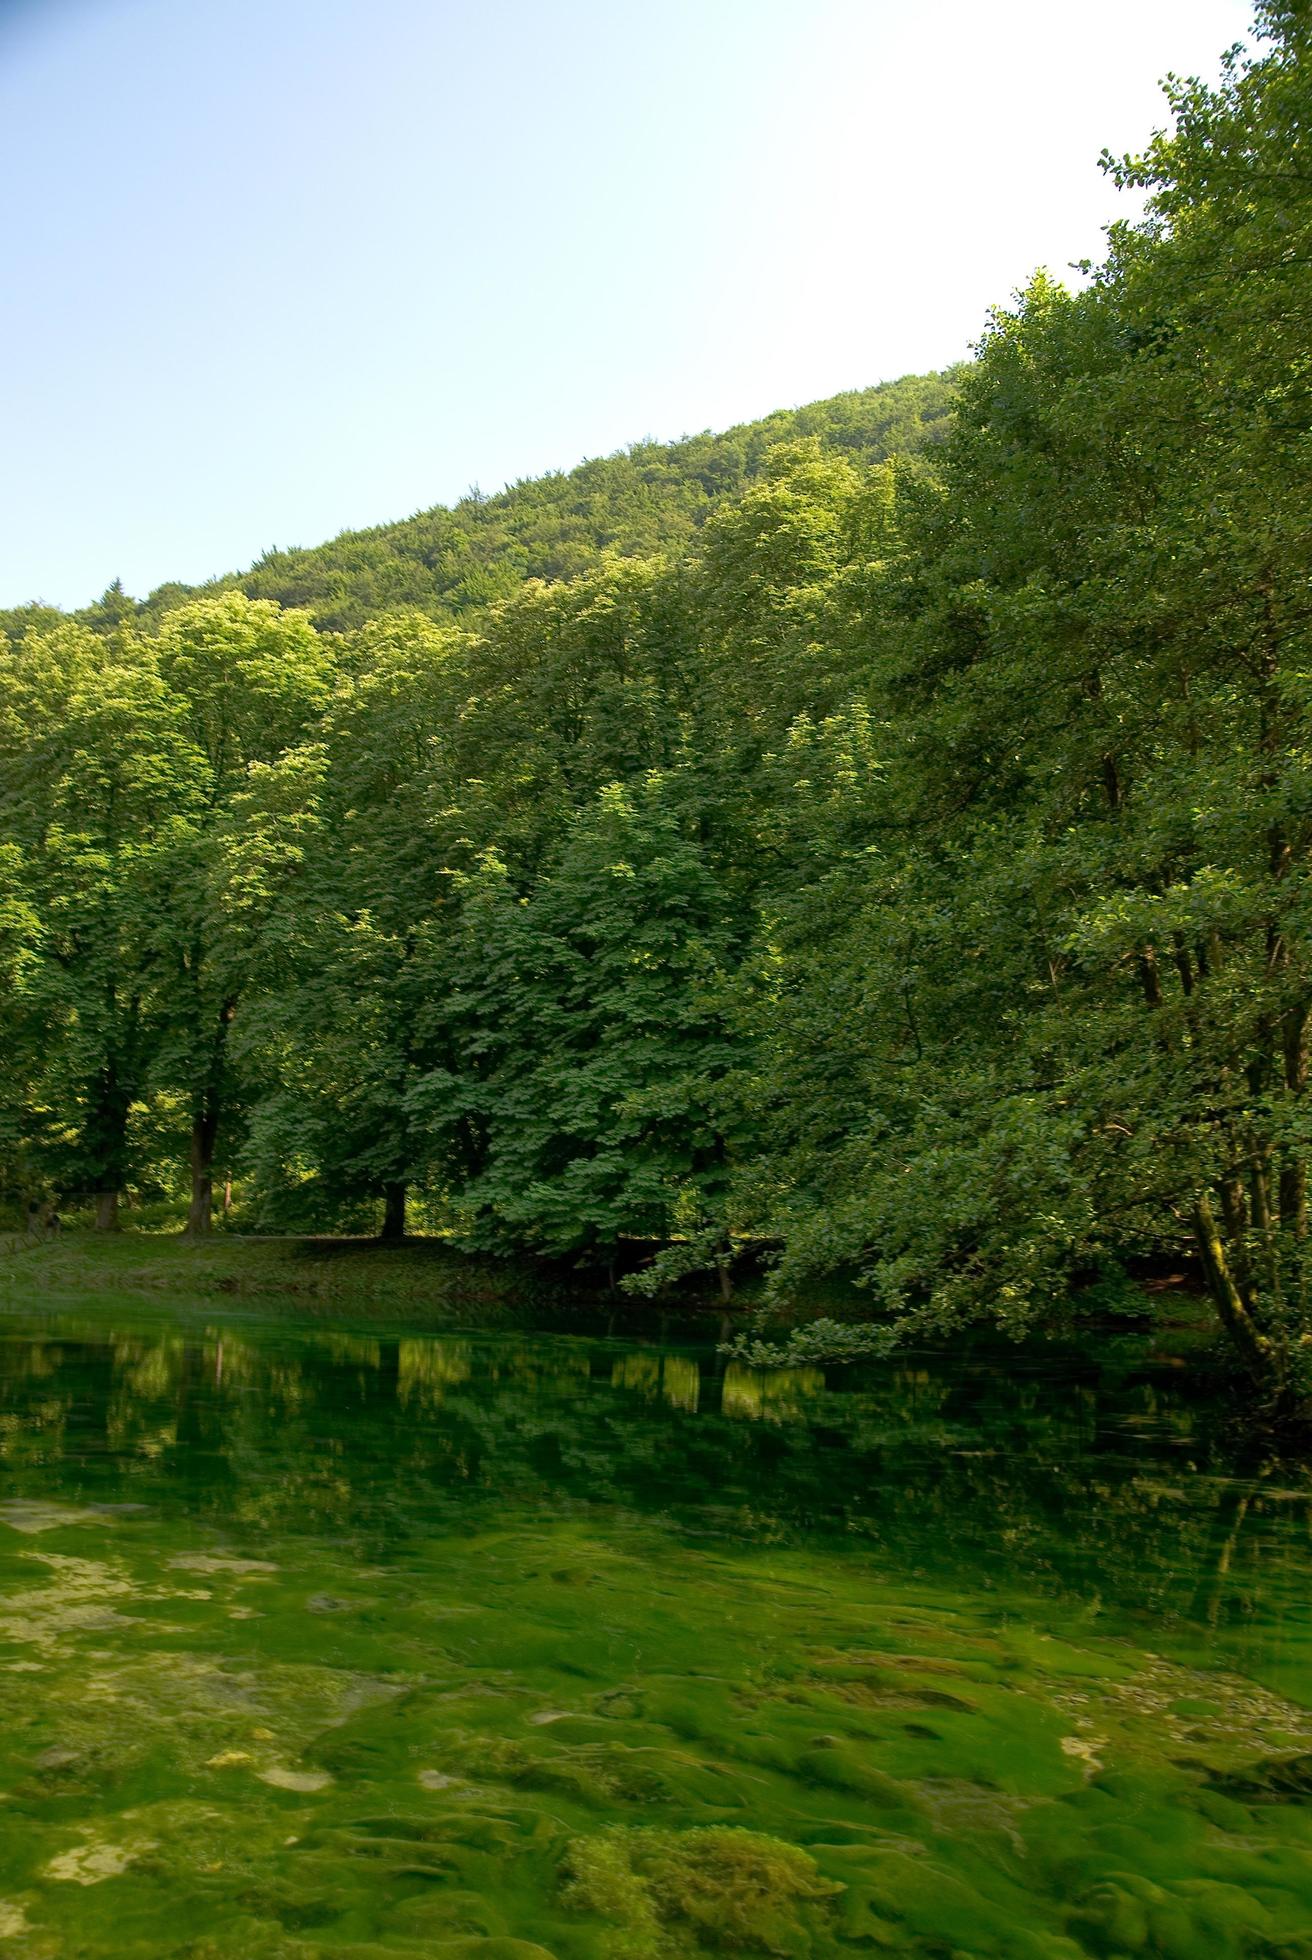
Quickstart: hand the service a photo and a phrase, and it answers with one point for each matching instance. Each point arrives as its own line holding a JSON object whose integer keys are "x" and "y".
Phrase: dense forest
{"x": 878, "y": 837}
{"x": 652, "y": 498}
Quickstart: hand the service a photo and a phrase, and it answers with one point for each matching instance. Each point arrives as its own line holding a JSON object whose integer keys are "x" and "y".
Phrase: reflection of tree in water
{"x": 426, "y": 1369}
{"x": 675, "y": 1378}
{"x": 769, "y": 1394}
{"x": 1088, "y": 1480}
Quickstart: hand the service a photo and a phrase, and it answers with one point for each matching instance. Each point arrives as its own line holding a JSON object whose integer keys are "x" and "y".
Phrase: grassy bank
{"x": 423, "y": 1281}
{"x": 425, "y": 1285}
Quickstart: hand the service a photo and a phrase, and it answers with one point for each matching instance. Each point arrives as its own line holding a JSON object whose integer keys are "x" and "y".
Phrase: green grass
{"x": 423, "y": 1281}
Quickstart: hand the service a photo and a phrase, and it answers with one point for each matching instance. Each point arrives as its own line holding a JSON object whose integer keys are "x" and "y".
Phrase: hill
{"x": 648, "y": 498}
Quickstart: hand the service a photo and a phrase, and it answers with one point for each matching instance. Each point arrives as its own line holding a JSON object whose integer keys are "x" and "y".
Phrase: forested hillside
{"x": 650, "y": 498}
{"x": 889, "y": 851}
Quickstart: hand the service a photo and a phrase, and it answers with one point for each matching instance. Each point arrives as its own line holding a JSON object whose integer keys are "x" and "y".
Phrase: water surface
{"x": 315, "y": 1644}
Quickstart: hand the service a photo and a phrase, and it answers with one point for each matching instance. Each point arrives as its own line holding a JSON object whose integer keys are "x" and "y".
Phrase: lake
{"x": 320, "y": 1643}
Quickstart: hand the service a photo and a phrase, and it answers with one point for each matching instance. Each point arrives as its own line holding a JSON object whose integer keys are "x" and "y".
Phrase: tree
{"x": 1087, "y": 871}
{"x": 252, "y": 682}
{"x": 333, "y": 1038}
{"x": 104, "y": 796}
{"x": 587, "y": 1040}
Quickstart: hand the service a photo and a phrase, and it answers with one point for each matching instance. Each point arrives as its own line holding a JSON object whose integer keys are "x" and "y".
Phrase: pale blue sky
{"x": 275, "y": 268}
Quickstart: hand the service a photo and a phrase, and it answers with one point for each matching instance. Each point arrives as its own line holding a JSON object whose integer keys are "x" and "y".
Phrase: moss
{"x": 599, "y": 1878}
{"x": 479, "y": 1948}
{"x": 725, "y": 1886}
{"x": 235, "y": 1551}
{"x": 596, "y": 1774}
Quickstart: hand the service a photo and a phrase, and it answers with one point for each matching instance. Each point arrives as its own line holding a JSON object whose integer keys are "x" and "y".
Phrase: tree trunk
{"x": 1150, "y": 978}
{"x": 1239, "y": 1324}
{"x": 206, "y": 1110}
{"x": 200, "y": 1215}
{"x": 393, "y": 1213}
{"x": 1293, "y": 1173}
{"x": 107, "y": 1141}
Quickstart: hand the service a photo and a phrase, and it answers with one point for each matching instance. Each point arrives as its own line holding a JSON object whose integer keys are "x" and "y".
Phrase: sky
{"x": 273, "y": 269}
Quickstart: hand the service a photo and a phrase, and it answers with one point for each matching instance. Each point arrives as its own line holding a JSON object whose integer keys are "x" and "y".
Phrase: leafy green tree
{"x": 251, "y": 682}
{"x": 333, "y": 1036}
{"x": 104, "y": 797}
{"x": 1086, "y": 873}
{"x": 588, "y": 1041}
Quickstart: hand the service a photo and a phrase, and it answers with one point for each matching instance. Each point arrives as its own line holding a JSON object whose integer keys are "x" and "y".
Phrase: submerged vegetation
{"x": 879, "y": 836}
{"x": 324, "y": 1642}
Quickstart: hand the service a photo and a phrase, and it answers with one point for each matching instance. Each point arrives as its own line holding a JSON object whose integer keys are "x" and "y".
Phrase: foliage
{"x": 880, "y": 834}
{"x": 1050, "y": 999}
{"x": 820, "y": 1341}
{"x": 582, "y": 1038}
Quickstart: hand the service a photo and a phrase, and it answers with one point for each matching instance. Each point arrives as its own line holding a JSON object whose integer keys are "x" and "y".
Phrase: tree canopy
{"x": 880, "y": 835}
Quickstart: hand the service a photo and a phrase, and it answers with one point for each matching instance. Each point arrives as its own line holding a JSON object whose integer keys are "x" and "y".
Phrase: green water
{"x": 313, "y": 1644}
